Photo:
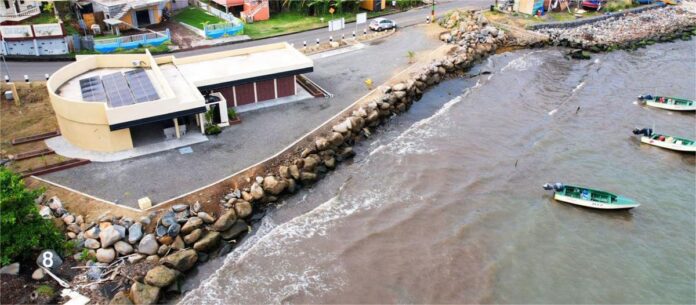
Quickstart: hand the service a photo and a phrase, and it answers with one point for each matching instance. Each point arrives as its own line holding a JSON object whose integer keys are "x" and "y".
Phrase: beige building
{"x": 110, "y": 103}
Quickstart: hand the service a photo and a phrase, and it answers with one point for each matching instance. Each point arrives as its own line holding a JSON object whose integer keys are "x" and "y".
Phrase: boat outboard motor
{"x": 645, "y": 97}
{"x": 644, "y": 131}
{"x": 556, "y": 186}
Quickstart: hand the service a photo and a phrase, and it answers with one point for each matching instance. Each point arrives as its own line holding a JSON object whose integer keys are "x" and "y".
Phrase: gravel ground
{"x": 262, "y": 133}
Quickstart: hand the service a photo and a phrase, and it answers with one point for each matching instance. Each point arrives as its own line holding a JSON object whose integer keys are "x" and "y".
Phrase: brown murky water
{"x": 445, "y": 204}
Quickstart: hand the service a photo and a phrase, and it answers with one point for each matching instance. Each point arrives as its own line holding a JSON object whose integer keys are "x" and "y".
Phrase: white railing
{"x": 11, "y": 16}
{"x": 216, "y": 12}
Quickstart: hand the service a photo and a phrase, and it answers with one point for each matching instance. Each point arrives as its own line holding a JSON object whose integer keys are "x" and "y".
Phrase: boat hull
{"x": 594, "y": 204}
{"x": 673, "y": 107}
{"x": 667, "y": 145}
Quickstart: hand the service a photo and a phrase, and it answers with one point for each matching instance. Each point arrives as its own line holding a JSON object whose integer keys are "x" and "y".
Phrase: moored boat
{"x": 590, "y": 198}
{"x": 669, "y": 103}
{"x": 665, "y": 141}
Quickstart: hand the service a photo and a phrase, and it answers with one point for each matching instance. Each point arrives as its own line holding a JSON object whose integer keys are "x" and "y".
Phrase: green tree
{"x": 22, "y": 230}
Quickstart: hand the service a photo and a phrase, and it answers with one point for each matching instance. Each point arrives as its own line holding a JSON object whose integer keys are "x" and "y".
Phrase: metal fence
{"x": 131, "y": 42}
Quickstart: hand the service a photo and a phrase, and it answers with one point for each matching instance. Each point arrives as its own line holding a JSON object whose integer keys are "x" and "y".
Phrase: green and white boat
{"x": 668, "y": 102}
{"x": 665, "y": 141}
{"x": 590, "y": 198}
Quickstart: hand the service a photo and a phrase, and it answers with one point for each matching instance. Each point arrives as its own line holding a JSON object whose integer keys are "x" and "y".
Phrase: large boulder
{"x": 321, "y": 143}
{"x": 182, "y": 260}
{"x": 91, "y": 243}
{"x": 208, "y": 242}
{"x": 306, "y": 177}
{"x": 121, "y": 298}
{"x": 193, "y": 236}
{"x": 256, "y": 191}
{"x": 399, "y": 87}
{"x": 310, "y": 163}
{"x": 284, "y": 171}
{"x": 161, "y": 276}
{"x": 123, "y": 248}
{"x": 239, "y": 227}
{"x": 243, "y": 209}
{"x": 106, "y": 255}
{"x": 148, "y": 245}
{"x": 225, "y": 221}
{"x": 93, "y": 232}
{"x": 294, "y": 171}
{"x": 144, "y": 294}
{"x": 109, "y": 236}
{"x": 192, "y": 224}
{"x": 336, "y": 139}
{"x": 207, "y": 218}
{"x": 274, "y": 186}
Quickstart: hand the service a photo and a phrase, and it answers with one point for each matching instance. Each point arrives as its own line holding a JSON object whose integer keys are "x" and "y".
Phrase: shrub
{"x": 23, "y": 230}
{"x": 231, "y": 114}
{"x": 212, "y": 129}
{"x": 86, "y": 256}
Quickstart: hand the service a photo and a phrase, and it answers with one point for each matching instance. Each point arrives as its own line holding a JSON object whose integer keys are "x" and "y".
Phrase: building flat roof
{"x": 241, "y": 64}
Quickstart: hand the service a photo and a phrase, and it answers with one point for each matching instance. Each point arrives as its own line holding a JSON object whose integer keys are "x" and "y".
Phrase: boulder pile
{"x": 629, "y": 31}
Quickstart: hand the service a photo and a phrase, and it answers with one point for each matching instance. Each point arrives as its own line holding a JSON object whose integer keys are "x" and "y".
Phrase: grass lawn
{"x": 290, "y": 22}
{"x": 196, "y": 17}
{"x": 44, "y": 17}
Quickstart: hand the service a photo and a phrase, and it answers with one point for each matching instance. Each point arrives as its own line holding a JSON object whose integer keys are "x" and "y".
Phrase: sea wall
{"x": 628, "y": 31}
{"x": 583, "y": 21}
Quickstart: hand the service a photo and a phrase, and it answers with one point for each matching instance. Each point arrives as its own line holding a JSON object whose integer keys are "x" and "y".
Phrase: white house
{"x": 18, "y": 10}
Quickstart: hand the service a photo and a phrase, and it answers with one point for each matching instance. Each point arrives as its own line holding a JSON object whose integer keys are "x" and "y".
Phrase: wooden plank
{"x": 55, "y": 167}
{"x": 35, "y": 137}
{"x": 34, "y": 153}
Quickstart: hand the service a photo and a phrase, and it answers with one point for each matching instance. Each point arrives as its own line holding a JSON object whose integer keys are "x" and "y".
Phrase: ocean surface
{"x": 445, "y": 205}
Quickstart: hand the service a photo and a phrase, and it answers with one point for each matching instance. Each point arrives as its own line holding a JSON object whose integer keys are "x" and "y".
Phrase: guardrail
{"x": 131, "y": 42}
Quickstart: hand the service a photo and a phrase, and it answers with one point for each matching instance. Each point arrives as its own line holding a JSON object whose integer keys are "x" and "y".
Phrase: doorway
{"x": 143, "y": 18}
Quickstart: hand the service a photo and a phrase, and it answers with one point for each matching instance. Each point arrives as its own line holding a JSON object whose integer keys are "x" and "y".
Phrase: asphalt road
{"x": 37, "y": 70}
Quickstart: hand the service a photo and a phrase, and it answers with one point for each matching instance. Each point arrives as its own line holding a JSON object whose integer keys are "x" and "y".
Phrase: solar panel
{"x": 117, "y": 90}
{"x": 141, "y": 86}
{"x": 92, "y": 89}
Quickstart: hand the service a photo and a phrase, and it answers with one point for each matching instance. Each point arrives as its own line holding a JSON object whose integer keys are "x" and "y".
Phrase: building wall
{"x": 286, "y": 86}
{"x": 265, "y": 90}
{"x": 49, "y": 46}
{"x": 245, "y": 94}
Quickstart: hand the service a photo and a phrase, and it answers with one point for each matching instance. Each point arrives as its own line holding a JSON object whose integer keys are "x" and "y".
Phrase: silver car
{"x": 381, "y": 24}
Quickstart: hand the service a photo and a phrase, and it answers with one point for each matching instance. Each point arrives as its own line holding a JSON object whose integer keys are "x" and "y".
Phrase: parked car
{"x": 381, "y": 24}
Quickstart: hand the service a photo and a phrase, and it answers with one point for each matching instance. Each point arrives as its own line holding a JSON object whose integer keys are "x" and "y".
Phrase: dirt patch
{"x": 180, "y": 35}
{"x": 33, "y": 116}
{"x": 17, "y": 289}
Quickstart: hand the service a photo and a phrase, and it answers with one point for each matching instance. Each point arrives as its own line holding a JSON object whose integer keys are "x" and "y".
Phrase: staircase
{"x": 249, "y": 17}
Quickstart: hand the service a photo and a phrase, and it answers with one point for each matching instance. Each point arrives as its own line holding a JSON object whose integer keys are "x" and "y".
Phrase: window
{"x": 7, "y": 4}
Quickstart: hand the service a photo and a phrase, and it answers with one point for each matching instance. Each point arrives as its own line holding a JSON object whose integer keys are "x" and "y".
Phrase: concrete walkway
{"x": 62, "y": 147}
{"x": 262, "y": 133}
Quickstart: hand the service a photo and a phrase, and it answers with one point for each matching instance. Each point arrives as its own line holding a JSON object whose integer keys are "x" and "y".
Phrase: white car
{"x": 381, "y": 24}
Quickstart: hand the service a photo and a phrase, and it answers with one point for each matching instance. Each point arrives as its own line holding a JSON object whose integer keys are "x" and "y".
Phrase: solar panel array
{"x": 119, "y": 89}
{"x": 141, "y": 86}
{"x": 92, "y": 89}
